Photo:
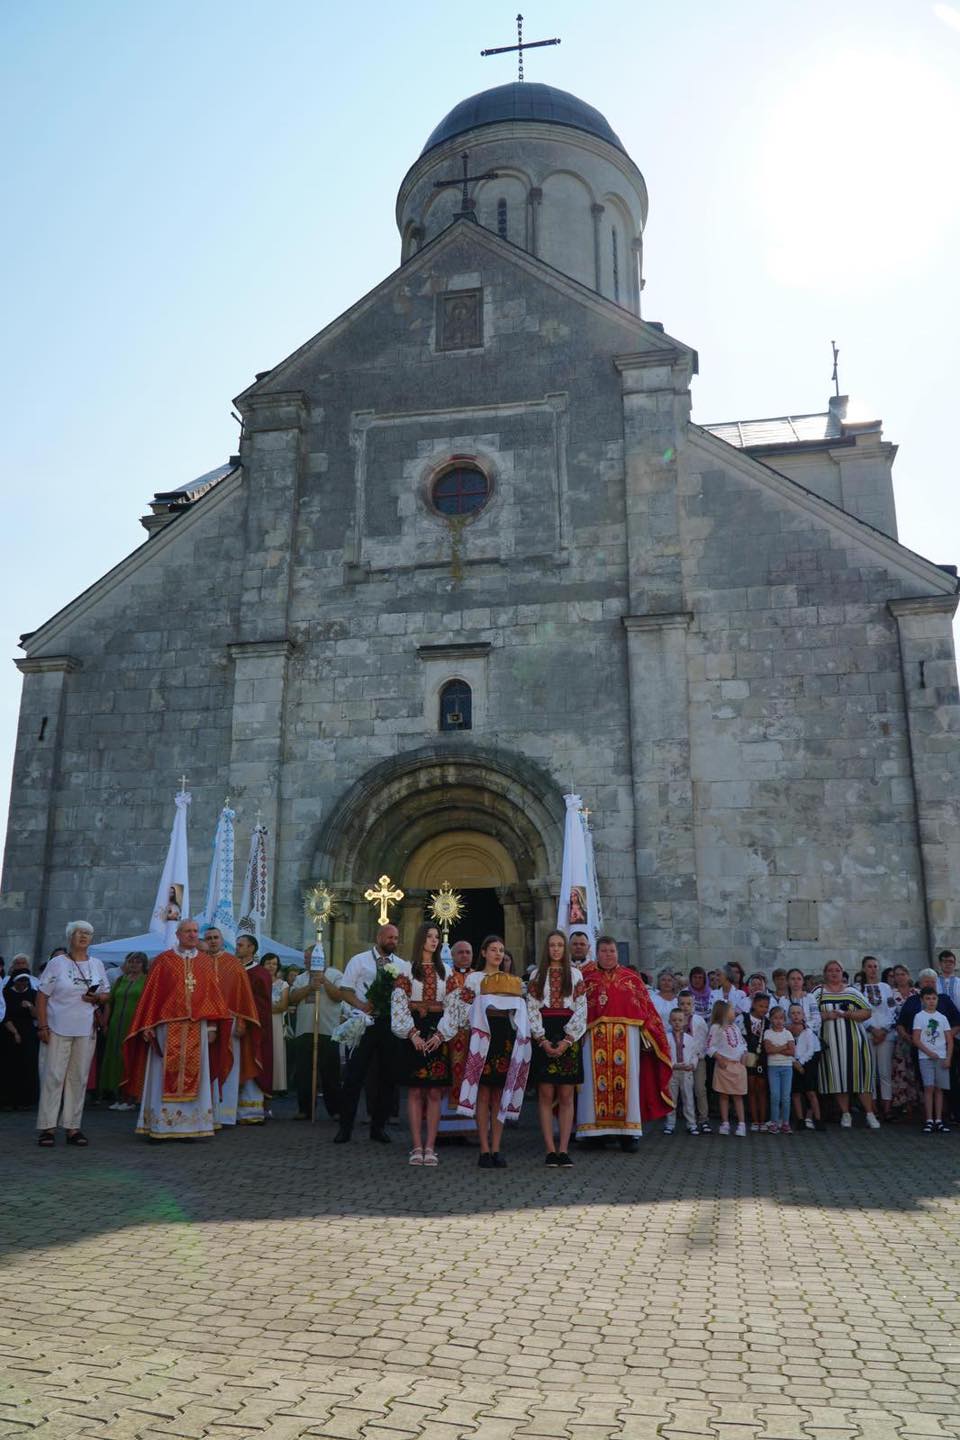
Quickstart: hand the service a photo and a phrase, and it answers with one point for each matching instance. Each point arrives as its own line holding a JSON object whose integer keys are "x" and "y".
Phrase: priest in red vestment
{"x": 626, "y": 1060}
{"x": 178, "y": 1044}
{"x": 253, "y": 1091}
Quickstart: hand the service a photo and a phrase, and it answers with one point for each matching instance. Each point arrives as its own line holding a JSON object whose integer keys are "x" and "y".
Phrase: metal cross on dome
{"x": 467, "y": 205}
{"x": 520, "y": 47}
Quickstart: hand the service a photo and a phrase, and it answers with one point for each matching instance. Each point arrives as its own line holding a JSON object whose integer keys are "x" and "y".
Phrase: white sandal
{"x": 416, "y": 1156}
{"x": 430, "y": 1157}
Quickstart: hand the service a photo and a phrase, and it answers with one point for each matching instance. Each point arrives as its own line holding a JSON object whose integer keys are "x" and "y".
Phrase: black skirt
{"x": 413, "y": 1067}
{"x": 499, "y": 1052}
{"x": 565, "y": 1069}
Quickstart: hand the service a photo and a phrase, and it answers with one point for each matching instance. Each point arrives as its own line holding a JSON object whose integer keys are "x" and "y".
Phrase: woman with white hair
{"x": 71, "y": 988}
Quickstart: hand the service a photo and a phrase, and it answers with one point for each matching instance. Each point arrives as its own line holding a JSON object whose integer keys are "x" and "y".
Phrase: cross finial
{"x": 384, "y": 894}
{"x": 835, "y": 377}
{"x": 520, "y": 47}
{"x": 467, "y": 206}
{"x": 183, "y": 784}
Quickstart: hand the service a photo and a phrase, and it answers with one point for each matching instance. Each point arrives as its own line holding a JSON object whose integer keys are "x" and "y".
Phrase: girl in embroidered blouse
{"x": 557, "y": 1006}
{"x": 496, "y": 1066}
{"x": 415, "y": 1012}
{"x": 728, "y": 1047}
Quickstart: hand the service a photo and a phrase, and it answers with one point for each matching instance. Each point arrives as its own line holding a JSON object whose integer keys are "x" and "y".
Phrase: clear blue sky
{"x": 191, "y": 190}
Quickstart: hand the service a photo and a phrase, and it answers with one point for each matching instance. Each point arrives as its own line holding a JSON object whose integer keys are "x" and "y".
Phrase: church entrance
{"x": 486, "y": 822}
{"x": 483, "y": 917}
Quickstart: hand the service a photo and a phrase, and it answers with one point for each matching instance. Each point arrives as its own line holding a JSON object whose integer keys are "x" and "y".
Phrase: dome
{"x": 522, "y": 101}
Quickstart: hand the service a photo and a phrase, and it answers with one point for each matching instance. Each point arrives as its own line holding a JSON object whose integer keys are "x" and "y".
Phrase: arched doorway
{"x": 454, "y": 812}
{"x": 481, "y": 869}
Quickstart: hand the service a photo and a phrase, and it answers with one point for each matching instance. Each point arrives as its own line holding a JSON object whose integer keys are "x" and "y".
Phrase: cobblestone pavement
{"x": 269, "y": 1285}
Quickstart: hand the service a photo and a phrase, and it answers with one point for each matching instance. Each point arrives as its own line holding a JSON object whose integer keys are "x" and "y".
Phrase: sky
{"x": 193, "y": 189}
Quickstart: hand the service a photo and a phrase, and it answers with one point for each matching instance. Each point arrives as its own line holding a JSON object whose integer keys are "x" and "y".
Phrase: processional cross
{"x": 384, "y": 894}
{"x": 520, "y": 47}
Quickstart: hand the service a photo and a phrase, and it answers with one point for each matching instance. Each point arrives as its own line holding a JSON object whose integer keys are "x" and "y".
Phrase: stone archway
{"x": 403, "y": 814}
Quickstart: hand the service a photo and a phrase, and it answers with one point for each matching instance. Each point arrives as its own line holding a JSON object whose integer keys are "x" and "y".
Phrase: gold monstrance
{"x": 318, "y": 903}
{"x": 384, "y": 894}
{"x": 446, "y": 908}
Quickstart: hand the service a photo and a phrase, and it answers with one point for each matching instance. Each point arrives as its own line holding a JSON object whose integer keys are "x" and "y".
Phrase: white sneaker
{"x": 872, "y": 1122}
{"x": 846, "y": 1120}
{"x": 693, "y": 1130}
{"x": 668, "y": 1129}
{"x": 742, "y": 1129}
{"x": 753, "y": 1129}
{"x": 117, "y": 1105}
{"x": 809, "y": 1122}
{"x": 725, "y": 1128}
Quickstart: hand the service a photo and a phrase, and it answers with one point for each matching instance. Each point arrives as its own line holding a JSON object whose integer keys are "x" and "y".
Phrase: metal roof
{"x": 522, "y": 101}
{"x": 193, "y": 489}
{"x": 780, "y": 430}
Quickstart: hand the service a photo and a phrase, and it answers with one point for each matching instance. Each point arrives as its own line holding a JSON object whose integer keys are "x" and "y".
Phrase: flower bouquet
{"x": 380, "y": 990}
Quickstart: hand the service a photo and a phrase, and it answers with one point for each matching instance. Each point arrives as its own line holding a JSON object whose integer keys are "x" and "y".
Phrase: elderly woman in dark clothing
{"x": 19, "y": 1046}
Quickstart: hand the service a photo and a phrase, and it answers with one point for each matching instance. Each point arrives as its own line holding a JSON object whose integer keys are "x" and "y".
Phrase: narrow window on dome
{"x": 456, "y": 706}
{"x": 616, "y": 264}
{"x": 502, "y": 219}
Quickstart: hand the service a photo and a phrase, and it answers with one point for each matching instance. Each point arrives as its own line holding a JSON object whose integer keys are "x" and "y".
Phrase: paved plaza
{"x": 271, "y": 1285}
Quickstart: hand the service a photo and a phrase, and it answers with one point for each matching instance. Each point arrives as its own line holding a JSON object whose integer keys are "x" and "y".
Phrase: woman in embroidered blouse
{"x": 797, "y": 995}
{"x": 699, "y": 987}
{"x": 416, "y": 1009}
{"x": 557, "y": 1006}
{"x": 880, "y": 1028}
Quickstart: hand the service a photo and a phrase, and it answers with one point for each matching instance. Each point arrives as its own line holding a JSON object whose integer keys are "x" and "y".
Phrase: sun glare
{"x": 858, "y": 172}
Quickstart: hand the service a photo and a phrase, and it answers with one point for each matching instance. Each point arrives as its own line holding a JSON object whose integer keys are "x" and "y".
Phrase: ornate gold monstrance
{"x": 318, "y": 903}
{"x": 446, "y": 908}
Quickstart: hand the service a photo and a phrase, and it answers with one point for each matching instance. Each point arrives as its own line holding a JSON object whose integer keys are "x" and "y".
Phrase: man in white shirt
{"x": 375, "y": 1047}
{"x": 579, "y": 948}
{"x": 320, "y": 988}
{"x": 948, "y": 983}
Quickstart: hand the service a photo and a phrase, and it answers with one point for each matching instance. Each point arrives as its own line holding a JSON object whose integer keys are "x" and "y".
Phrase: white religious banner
{"x": 578, "y": 908}
{"x": 218, "y": 907}
{"x": 173, "y": 893}
{"x": 594, "y": 908}
{"x": 253, "y": 898}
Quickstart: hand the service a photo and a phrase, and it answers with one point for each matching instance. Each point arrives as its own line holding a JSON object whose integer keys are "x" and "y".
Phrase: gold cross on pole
{"x": 384, "y": 894}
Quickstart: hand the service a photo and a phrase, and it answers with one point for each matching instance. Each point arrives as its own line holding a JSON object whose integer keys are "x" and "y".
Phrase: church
{"x": 474, "y": 553}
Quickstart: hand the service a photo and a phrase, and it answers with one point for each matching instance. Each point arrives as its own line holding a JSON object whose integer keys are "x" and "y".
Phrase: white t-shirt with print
{"x": 931, "y": 1029}
{"x": 64, "y": 982}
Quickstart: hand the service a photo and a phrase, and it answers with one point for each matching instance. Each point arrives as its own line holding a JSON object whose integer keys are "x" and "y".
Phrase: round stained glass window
{"x": 462, "y": 490}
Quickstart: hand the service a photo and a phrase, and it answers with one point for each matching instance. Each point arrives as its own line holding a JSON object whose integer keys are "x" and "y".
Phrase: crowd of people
{"x": 202, "y": 1038}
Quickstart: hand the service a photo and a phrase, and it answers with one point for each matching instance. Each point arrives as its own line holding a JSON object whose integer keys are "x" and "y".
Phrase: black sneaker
{"x": 564, "y": 1161}
{"x": 552, "y": 1158}
{"x": 382, "y": 1136}
{"x": 485, "y": 1160}
{"x": 630, "y": 1144}
{"x": 498, "y": 1161}
{"x": 941, "y": 1127}
{"x": 341, "y": 1137}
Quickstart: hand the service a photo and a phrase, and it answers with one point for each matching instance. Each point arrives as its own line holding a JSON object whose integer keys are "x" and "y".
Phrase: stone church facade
{"x": 474, "y": 553}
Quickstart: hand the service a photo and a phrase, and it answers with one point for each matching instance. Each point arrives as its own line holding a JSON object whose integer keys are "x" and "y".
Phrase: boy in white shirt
{"x": 934, "y": 1039}
{"x": 685, "y": 1054}
{"x": 696, "y": 1026}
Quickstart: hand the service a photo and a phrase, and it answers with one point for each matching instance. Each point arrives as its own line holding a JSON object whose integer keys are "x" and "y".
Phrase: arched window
{"x": 461, "y": 490}
{"x": 502, "y": 219}
{"x": 456, "y": 706}
{"x": 616, "y": 264}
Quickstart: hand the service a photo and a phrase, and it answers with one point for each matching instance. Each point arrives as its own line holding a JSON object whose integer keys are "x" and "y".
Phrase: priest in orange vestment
{"x": 245, "y": 1039}
{"x": 626, "y": 1061}
{"x": 178, "y": 1044}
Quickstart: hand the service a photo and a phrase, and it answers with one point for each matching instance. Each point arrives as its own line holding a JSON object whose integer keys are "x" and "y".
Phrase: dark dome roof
{"x": 522, "y": 102}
